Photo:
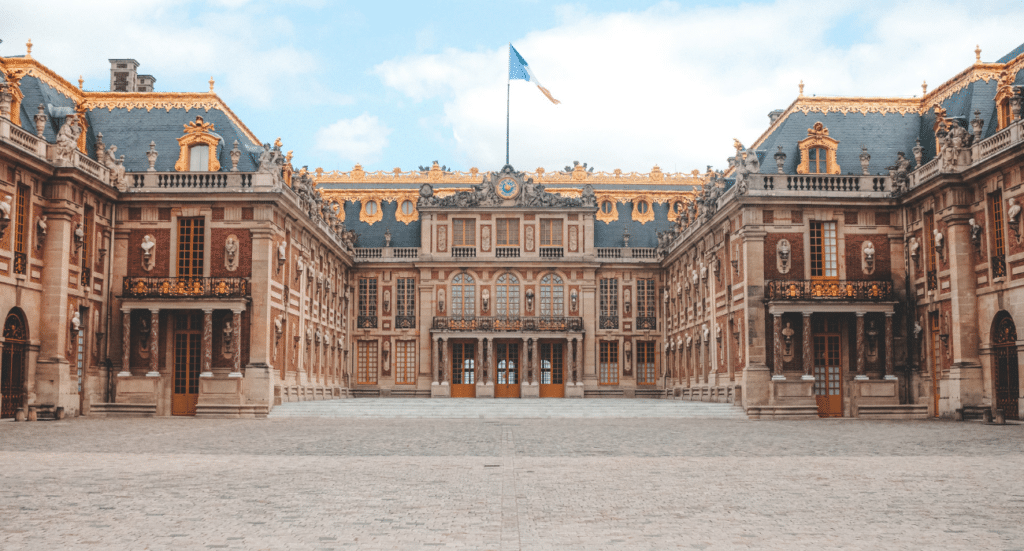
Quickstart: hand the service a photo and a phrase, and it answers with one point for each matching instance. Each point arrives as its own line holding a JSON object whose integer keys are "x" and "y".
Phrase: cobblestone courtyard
{"x": 532, "y": 484}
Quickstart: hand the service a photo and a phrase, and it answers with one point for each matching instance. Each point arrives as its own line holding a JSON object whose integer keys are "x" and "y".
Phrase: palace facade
{"x": 860, "y": 258}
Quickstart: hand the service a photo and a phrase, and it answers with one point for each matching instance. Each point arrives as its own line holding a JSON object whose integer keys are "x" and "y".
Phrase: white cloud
{"x": 358, "y": 140}
{"x": 673, "y": 86}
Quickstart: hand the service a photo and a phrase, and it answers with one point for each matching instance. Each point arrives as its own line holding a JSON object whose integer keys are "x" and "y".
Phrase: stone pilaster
{"x": 777, "y": 347}
{"x": 126, "y": 343}
{"x": 434, "y": 366}
{"x": 860, "y": 347}
{"x": 236, "y": 342}
{"x": 808, "y": 351}
{"x": 890, "y": 349}
{"x": 154, "y": 343}
{"x": 207, "y": 343}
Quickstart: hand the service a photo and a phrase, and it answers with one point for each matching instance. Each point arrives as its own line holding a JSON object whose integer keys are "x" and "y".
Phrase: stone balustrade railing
{"x": 191, "y": 182}
{"x": 979, "y": 152}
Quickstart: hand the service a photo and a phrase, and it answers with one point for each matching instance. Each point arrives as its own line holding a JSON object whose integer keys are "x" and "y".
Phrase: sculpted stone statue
{"x": 5, "y": 207}
{"x": 118, "y": 178}
{"x": 67, "y": 141}
{"x": 900, "y": 174}
{"x": 231, "y": 253}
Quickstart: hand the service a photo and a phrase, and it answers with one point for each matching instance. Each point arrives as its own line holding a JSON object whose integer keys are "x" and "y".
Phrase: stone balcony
{"x": 192, "y": 182}
{"x": 188, "y": 288}
{"x": 35, "y": 146}
{"x": 482, "y": 324}
{"x": 980, "y": 151}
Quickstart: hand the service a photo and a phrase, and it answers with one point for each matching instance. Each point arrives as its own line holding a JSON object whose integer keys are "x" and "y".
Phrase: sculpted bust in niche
{"x": 783, "y": 251}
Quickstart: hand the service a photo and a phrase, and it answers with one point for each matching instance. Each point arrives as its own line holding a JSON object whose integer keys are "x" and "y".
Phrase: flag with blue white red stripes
{"x": 518, "y": 69}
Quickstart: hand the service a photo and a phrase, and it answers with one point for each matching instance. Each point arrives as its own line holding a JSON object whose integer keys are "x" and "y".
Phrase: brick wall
{"x": 218, "y": 237}
{"x": 883, "y": 260}
{"x": 162, "y": 253}
{"x": 796, "y": 242}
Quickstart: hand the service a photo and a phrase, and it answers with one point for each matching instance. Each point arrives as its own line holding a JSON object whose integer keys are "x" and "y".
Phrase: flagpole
{"x": 508, "y": 93}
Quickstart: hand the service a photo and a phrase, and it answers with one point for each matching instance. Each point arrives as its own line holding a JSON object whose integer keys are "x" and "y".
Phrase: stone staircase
{"x": 470, "y": 408}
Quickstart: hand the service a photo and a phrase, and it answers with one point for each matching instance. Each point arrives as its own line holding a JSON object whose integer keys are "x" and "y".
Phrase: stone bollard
{"x": 958, "y": 415}
{"x": 999, "y": 418}
{"x": 987, "y": 416}
{"x": 19, "y": 415}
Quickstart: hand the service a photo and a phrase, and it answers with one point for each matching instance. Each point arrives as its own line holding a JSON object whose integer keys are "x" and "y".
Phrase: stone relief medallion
{"x": 485, "y": 238}
{"x": 442, "y": 239}
{"x": 529, "y": 238}
{"x": 574, "y": 238}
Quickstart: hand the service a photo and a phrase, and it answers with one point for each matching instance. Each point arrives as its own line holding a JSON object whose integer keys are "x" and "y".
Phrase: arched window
{"x": 14, "y": 365}
{"x": 552, "y": 296}
{"x": 507, "y": 292}
{"x": 463, "y": 296}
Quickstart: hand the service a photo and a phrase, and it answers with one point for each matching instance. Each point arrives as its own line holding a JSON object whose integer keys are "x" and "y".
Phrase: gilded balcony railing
{"x": 500, "y": 324}
{"x": 186, "y": 287}
{"x": 830, "y": 290}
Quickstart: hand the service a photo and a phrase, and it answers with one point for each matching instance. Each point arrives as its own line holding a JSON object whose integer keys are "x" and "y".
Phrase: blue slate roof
{"x": 402, "y": 235}
{"x": 1012, "y": 55}
{"x": 640, "y": 235}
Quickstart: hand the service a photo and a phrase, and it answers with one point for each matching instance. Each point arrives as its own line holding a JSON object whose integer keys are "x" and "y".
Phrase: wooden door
{"x": 506, "y": 375}
{"x": 552, "y": 356}
{"x": 463, "y": 370}
{"x": 828, "y": 368}
{"x": 13, "y": 369}
{"x": 188, "y": 345}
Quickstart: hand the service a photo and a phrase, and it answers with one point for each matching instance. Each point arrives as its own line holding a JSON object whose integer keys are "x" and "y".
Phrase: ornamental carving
{"x": 783, "y": 255}
{"x": 528, "y": 237}
{"x": 817, "y": 137}
{"x": 442, "y": 239}
{"x": 231, "y": 253}
{"x": 485, "y": 238}
{"x": 643, "y": 210}
{"x": 574, "y": 238}
{"x": 371, "y": 212}
{"x": 867, "y": 258}
{"x": 197, "y": 133}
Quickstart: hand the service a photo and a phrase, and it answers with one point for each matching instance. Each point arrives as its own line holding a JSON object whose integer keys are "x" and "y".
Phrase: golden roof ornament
{"x": 28, "y": 46}
{"x": 198, "y": 126}
{"x": 801, "y": 88}
{"x": 277, "y": 142}
{"x": 211, "y": 85}
{"x": 81, "y": 82}
{"x": 977, "y": 53}
{"x": 924, "y": 87}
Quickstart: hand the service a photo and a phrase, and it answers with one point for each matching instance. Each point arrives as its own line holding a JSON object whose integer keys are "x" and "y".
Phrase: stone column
{"x": 236, "y": 340}
{"x": 573, "y": 373}
{"x": 523, "y": 375}
{"x": 126, "y": 343}
{"x": 207, "y": 343}
{"x": 777, "y": 348}
{"x": 154, "y": 343}
{"x": 808, "y": 351}
{"x": 434, "y": 366}
{"x": 890, "y": 349}
{"x": 860, "y": 347}
{"x": 446, "y": 374}
{"x": 478, "y": 369}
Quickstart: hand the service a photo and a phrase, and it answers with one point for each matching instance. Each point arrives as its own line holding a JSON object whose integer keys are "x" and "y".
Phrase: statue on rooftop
{"x": 900, "y": 174}
{"x": 67, "y": 140}
{"x": 118, "y": 177}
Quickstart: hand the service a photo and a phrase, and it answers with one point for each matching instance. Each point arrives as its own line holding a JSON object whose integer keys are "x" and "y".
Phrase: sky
{"x": 401, "y": 84}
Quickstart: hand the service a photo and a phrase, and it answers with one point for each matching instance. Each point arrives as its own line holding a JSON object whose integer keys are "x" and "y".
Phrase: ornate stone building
{"x": 860, "y": 258}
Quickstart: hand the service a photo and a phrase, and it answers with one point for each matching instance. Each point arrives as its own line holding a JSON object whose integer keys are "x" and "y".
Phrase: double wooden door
{"x": 506, "y": 373}
{"x": 188, "y": 347}
{"x": 463, "y": 383}
{"x": 828, "y": 368}
{"x": 1007, "y": 380}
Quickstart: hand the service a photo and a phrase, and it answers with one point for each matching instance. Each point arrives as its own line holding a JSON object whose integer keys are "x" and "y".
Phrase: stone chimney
{"x": 124, "y": 77}
{"x": 774, "y": 115}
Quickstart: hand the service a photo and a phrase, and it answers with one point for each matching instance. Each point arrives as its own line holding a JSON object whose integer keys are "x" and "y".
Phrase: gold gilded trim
{"x": 610, "y": 217}
{"x": 474, "y": 176}
{"x": 368, "y": 217}
{"x": 643, "y": 217}
{"x": 197, "y": 132}
{"x": 817, "y": 136}
{"x": 406, "y": 218}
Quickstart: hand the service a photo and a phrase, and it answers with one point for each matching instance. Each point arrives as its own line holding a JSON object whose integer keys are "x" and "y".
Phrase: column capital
{"x": 807, "y": 314}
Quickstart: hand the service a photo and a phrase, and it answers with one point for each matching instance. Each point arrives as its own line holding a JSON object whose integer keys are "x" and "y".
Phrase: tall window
{"x": 818, "y": 157}
{"x": 929, "y": 250}
{"x": 405, "y": 301}
{"x": 463, "y": 232}
{"x": 367, "y": 297}
{"x": 507, "y": 291}
{"x": 646, "y": 373}
{"x": 995, "y": 204}
{"x": 508, "y": 232}
{"x": 20, "y": 230}
{"x": 366, "y": 362}
{"x": 86, "y": 243}
{"x": 199, "y": 158}
{"x": 609, "y": 362}
{"x": 824, "y": 260}
{"x": 552, "y": 296}
{"x": 463, "y": 296}
{"x": 405, "y": 362}
{"x": 190, "y": 247}
{"x": 646, "y": 306}
{"x": 609, "y": 318}
{"x": 1005, "y": 113}
{"x": 463, "y": 372}
{"x": 551, "y": 232}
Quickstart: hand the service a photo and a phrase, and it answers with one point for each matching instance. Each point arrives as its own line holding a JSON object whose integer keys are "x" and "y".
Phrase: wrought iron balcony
{"x": 366, "y": 322}
{"x": 186, "y": 287}
{"x": 837, "y": 290}
{"x": 405, "y": 322}
{"x": 20, "y": 263}
{"x": 646, "y": 323}
{"x": 500, "y": 324}
{"x": 608, "y": 322}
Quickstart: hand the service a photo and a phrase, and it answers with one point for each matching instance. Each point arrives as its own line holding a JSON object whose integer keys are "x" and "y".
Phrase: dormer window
{"x": 198, "y": 158}
{"x": 818, "y": 152}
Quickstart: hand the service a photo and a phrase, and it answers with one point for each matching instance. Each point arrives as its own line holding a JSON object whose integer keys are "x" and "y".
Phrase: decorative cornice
{"x": 33, "y": 68}
{"x": 885, "y": 106}
{"x": 974, "y": 73}
{"x": 474, "y": 176}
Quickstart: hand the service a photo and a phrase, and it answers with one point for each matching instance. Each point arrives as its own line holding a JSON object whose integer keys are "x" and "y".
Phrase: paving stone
{"x": 647, "y": 483}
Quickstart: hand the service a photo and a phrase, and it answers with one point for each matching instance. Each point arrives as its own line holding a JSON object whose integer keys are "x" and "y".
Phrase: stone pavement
{"x": 534, "y": 484}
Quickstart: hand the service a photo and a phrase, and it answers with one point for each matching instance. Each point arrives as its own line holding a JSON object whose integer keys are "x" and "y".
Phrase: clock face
{"x": 508, "y": 188}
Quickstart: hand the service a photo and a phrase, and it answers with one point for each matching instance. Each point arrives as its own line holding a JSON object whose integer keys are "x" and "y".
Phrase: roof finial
{"x": 924, "y": 87}
{"x": 977, "y": 53}
{"x": 81, "y": 82}
{"x": 211, "y": 85}
{"x": 28, "y": 46}
{"x": 801, "y": 88}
